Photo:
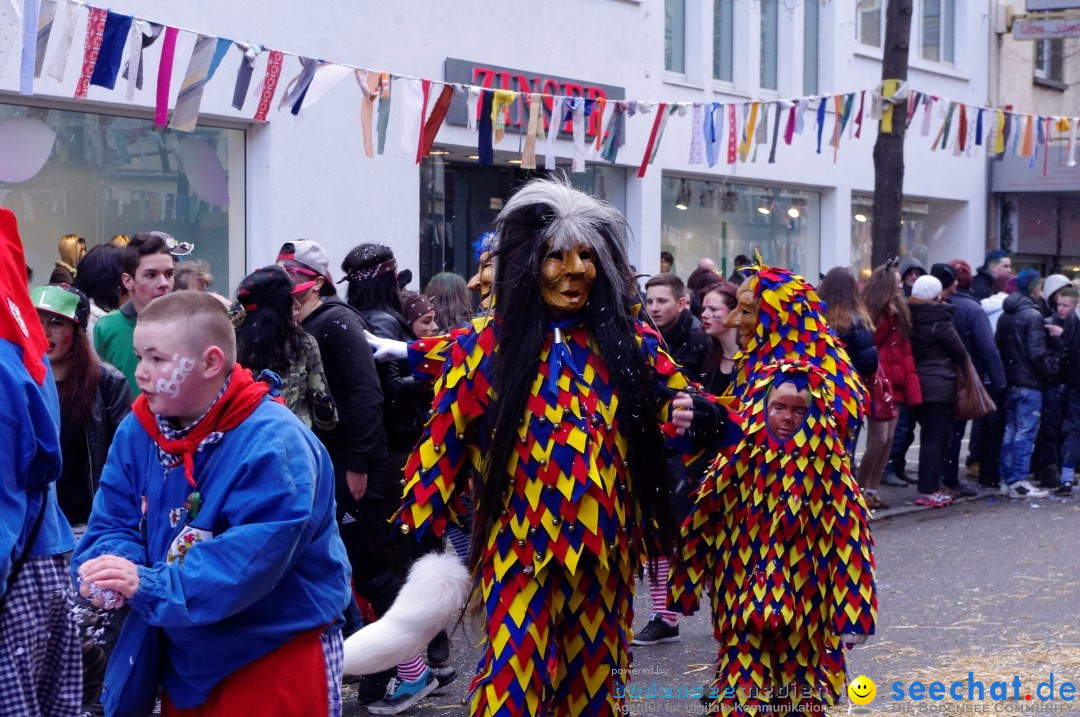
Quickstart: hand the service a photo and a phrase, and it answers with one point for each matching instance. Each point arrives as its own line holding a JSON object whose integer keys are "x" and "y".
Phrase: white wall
{"x": 307, "y": 176}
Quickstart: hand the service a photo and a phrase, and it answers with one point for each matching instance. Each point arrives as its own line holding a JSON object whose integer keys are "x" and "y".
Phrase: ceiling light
{"x": 764, "y": 208}
{"x": 860, "y": 217}
{"x": 793, "y": 213}
{"x": 473, "y": 156}
{"x": 683, "y": 200}
{"x": 439, "y": 152}
{"x": 513, "y": 161}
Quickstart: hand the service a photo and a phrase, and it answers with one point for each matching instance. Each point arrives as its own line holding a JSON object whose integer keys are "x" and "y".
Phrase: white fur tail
{"x": 432, "y": 596}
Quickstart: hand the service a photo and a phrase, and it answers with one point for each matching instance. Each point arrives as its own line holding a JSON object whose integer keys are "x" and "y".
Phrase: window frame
{"x": 763, "y": 48}
{"x": 946, "y": 29}
{"x": 669, "y": 34}
{"x": 882, "y": 5}
{"x": 728, "y": 36}
{"x": 1049, "y": 62}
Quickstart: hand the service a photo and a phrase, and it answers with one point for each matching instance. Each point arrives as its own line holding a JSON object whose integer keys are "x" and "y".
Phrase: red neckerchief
{"x": 238, "y": 402}
{"x": 19, "y": 322}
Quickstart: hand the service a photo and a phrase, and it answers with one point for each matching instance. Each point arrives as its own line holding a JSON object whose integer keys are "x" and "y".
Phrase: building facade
{"x": 240, "y": 189}
{"x": 1035, "y": 206}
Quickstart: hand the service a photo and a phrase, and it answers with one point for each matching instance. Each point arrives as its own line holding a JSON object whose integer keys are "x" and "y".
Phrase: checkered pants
{"x": 40, "y": 651}
{"x": 334, "y": 651}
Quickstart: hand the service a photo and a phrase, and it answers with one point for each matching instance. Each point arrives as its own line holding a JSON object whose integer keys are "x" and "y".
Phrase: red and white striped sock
{"x": 658, "y": 592}
{"x": 411, "y": 670}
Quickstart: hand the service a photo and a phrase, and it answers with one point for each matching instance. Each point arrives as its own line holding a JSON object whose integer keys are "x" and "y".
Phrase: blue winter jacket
{"x": 274, "y": 567}
{"x": 30, "y": 434}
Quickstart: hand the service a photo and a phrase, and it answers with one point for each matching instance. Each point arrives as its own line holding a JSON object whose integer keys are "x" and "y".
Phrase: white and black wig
{"x": 544, "y": 216}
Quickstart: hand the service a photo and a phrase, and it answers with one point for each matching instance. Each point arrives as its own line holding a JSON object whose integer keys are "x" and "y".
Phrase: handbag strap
{"x": 17, "y": 565}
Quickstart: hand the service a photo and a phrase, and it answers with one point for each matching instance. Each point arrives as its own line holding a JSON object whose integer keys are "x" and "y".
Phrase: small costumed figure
{"x": 780, "y": 316}
{"x": 778, "y": 534}
{"x": 563, "y": 403}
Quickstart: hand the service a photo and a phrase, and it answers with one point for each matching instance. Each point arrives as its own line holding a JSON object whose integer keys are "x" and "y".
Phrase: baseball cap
{"x": 267, "y": 286}
{"x": 62, "y": 300}
{"x": 307, "y": 257}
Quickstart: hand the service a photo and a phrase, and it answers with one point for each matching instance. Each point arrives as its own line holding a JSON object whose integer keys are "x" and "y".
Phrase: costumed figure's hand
{"x": 682, "y": 412}
{"x": 108, "y": 581}
{"x": 321, "y": 404}
{"x": 387, "y": 349}
{"x": 851, "y": 639}
{"x": 697, "y": 417}
{"x": 357, "y": 483}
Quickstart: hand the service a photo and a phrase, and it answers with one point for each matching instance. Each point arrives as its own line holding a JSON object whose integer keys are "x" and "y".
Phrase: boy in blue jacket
{"x": 40, "y": 653}
{"x": 215, "y": 524}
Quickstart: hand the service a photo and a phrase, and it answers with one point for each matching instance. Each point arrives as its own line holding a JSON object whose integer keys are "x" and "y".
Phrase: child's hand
{"x": 109, "y": 572}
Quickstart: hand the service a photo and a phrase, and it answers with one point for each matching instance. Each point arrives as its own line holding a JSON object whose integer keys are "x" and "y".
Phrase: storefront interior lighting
{"x": 764, "y": 206}
{"x": 683, "y": 200}
{"x": 513, "y": 161}
{"x": 439, "y": 152}
{"x": 860, "y": 217}
{"x": 473, "y": 156}
{"x": 797, "y": 206}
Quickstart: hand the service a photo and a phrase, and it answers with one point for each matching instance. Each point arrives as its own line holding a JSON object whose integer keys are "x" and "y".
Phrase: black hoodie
{"x": 1021, "y": 341}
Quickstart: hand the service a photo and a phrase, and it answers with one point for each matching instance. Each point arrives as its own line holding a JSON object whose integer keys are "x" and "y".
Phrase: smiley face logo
{"x": 862, "y": 690}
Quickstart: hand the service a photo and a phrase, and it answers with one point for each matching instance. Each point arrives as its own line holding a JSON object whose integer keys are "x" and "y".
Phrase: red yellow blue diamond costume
{"x": 779, "y": 534}
{"x": 561, "y": 403}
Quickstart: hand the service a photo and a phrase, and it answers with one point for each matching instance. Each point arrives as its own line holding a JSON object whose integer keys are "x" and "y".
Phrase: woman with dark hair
{"x": 268, "y": 338}
{"x": 847, "y": 316}
{"x": 560, "y": 399}
{"x": 699, "y": 282}
{"x": 100, "y": 273}
{"x": 888, "y": 312}
{"x": 94, "y": 396}
{"x": 450, "y": 296}
{"x": 371, "y": 271}
{"x": 717, "y": 301}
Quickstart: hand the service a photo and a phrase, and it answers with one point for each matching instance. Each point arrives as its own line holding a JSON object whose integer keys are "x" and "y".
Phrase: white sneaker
{"x": 1024, "y": 489}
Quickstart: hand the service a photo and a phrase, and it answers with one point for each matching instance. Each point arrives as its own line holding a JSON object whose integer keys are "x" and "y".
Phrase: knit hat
{"x": 943, "y": 273}
{"x": 308, "y": 258}
{"x": 62, "y": 300}
{"x": 926, "y": 288}
{"x": 415, "y": 305}
{"x": 266, "y": 287}
{"x": 909, "y": 263}
{"x": 1027, "y": 280}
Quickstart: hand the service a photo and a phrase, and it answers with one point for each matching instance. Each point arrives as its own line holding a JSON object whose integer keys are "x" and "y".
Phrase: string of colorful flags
{"x": 720, "y": 132}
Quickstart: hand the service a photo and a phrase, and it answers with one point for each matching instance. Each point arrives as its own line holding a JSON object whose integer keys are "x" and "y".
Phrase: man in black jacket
{"x": 357, "y": 446}
{"x": 1047, "y": 464}
{"x": 1029, "y": 366}
{"x": 1070, "y": 376}
{"x": 668, "y": 307}
{"x": 997, "y": 264}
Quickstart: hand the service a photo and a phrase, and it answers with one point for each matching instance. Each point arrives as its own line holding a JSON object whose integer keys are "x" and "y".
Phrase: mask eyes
{"x": 557, "y": 255}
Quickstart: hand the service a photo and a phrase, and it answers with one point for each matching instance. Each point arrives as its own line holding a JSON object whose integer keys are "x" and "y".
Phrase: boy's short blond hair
{"x": 201, "y": 317}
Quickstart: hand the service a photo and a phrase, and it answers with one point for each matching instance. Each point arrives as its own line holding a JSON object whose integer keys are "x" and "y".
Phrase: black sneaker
{"x": 444, "y": 675}
{"x": 372, "y": 688}
{"x": 438, "y": 650}
{"x": 656, "y": 632}
{"x": 1064, "y": 489}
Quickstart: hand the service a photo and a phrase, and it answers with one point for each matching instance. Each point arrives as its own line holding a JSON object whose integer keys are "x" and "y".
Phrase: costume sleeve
{"x": 231, "y": 571}
{"x": 449, "y": 442}
{"x": 428, "y": 356}
{"x": 854, "y": 599}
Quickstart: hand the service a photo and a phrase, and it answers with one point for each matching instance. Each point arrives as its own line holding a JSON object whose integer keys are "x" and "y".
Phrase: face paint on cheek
{"x": 184, "y": 367}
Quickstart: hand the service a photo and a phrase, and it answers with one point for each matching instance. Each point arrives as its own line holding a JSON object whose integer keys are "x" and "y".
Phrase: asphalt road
{"x": 989, "y": 586}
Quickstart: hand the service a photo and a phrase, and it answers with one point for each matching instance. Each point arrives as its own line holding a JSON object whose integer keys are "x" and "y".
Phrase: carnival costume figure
{"x": 780, "y": 316}
{"x": 778, "y": 534}
{"x": 563, "y": 404}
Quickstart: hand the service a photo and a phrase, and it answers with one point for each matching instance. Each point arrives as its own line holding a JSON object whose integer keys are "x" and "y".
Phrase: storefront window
{"x": 914, "y": 234}
{"x": 719, "y": 220}
{"x": 460, "y": 200}
{"x": 99, "y": 175}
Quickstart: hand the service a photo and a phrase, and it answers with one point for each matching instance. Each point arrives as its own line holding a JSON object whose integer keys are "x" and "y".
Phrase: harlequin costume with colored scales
{"x": 779, "y": 535}
{"x": 568, "y": 499}
{"x": 790, "y": 324}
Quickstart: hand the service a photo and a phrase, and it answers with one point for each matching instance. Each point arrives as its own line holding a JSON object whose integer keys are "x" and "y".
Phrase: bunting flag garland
{"x": 369, "y": 88}
{"x": 697, "y": 134}
{"x": 95, "y": 29}
{"x": 1072, "y": 142}
{"x": 500, "y": 113}
{"x": 386, "y": 83}
{"x": 928, "y": 104}
{"x": 732, "y": 146}
{"x": 789, "y": 130}
{"x": 711, "y": 134}
{"x": 111, "y": 50}
{"x": 775, "y": 133}
{"x": 748, "y": 132}
{"x": 414, "y": 97}
{"x": 858, "y": 118}
{"x": 31, "y": 14}
{"x": 58, "y": 66}
{"x": 46, "y": 17}
{"x": 186, "y": 111}
{"x": 961, "y": 138}
{"x": 435, "y": 120}
{"x": 244, "y": 73}
{"x": 979, "y": 128}
{"x": 164, "y": 80}
{"x": 654, "y": 137}
{"x": 820, "y": 121}
{"x": 616, "y": 132}
{"x": 293, "y": 97}
{"x": 578, "y": 110}
{"x": 143, "y": 35}
{"x": 534, "y": 130}
{"x": 269, "y": 84}
{"x": 483, "y": 146}
{"x": 553, "y": 133}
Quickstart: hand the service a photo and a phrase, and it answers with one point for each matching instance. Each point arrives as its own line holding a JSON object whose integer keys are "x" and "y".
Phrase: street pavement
{"x": 990, "y": 586}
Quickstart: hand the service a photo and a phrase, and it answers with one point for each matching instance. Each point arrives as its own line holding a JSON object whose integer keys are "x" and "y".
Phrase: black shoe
{"x": 372, "y": 688}
{"x": 445, "y": 675}
{"x": 962, "y": 490}
{"x": 656, "y": 632}
{"x": 910, "y": 480}
{"x": 438, "y": 650}
{"x": 889, "y": 478}
{"x": 1064, "y": 489}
